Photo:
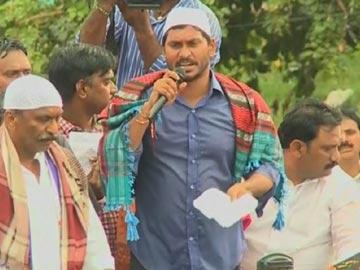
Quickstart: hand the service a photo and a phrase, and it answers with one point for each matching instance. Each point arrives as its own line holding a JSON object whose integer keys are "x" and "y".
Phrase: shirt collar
{"x": 66, "y": 127}
{"x": 214, "y": 84}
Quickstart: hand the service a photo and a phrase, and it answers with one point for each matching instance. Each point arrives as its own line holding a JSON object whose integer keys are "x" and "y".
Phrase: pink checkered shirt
{"x": 66, "y": 127}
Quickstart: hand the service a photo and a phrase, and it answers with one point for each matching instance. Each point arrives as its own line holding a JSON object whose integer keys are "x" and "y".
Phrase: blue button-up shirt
{"x": 194, "y": 151}
{"x": 130, "y": 59}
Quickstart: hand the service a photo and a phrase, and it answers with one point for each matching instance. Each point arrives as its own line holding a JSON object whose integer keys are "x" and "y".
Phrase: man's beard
{"x": 200, "y": 71}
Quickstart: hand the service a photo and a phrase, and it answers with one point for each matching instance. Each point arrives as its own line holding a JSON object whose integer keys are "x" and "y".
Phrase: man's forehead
{"x": 327, "y": 134}
{"x": 15, "y": 60}
{"x": 178, "y": 33}
{"x": 349, "y": 124}
{"x": 109, "y": 73}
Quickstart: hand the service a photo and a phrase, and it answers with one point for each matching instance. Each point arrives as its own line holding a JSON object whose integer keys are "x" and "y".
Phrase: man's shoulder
{"x": 234, "y": 84}
{"x": 339, "y": 178}
{"x": 341, "y": 188}
{"x": 237, "y": 89}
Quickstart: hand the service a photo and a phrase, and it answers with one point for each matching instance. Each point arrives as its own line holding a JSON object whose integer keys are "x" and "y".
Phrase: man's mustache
{"x": 183, "y": 62}
{"x": 345, "y": 144}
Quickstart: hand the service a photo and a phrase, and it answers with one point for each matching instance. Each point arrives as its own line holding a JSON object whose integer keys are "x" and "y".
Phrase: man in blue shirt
{"x": 138, "y": 33}
{"x": 200, "y": 136}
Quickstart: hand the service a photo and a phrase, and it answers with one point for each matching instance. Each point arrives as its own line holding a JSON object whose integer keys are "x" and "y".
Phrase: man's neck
{"x": 29, "y": 161}
{"x": 78, "y": 117}
{"x": 196, "y": 90}
{"x": 351, "y": 167}
{"x": 292, "y": 171}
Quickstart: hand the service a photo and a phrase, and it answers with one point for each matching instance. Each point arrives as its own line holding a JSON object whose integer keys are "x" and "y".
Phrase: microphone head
{"x": 181, "y": 73}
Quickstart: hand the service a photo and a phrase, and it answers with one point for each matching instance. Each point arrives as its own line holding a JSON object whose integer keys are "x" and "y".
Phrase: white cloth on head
{"x": 31, "y": 92}
{"x": 187, "y": 16}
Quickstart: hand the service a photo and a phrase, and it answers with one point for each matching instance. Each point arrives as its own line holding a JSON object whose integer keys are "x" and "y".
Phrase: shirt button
{"x": 192, "y": 186}
{"x": 191, "y": 238}
{"x": 193, "y": 111}
{"x": 191, "y": 213}
{"x": 193, "y": 136}
{"x": 193, "y": 161}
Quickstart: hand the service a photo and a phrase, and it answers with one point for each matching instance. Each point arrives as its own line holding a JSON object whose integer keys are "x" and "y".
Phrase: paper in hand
{"x": 215, "y": 204}
{"x": 85, "y": 145}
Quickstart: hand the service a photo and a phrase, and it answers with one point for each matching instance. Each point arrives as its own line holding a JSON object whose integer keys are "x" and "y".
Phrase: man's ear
{"x": 298, "y": 148}
{"x": 212, "y": 48}
{"x": 10, "y": 118}
{"x": 81, "y": 88}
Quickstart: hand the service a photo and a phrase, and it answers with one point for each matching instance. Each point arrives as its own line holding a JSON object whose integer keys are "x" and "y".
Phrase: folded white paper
{"x": 215, "y": 204}
{"x": 85, "y": 145}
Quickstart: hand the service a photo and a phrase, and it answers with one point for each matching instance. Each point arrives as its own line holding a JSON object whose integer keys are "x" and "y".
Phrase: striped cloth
{"x": 256, "y": 142}
{"x": 14, "y": 219}
{"x": 129, "y": 56}
{"x": 109, "y": 220}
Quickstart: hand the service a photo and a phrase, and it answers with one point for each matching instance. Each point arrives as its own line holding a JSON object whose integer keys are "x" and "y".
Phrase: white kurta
{"x": 357, "y": 178}
{"x": 322, "y": 225}
{"x": 44, "y": 214}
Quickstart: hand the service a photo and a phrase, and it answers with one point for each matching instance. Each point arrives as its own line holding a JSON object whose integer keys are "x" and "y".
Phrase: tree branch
{"x": 43, "y": 15}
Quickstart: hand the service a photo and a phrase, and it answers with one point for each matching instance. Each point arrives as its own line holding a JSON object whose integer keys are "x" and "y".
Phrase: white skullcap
{"x": 188, "y": 16}
{"x": 31, "y": 92}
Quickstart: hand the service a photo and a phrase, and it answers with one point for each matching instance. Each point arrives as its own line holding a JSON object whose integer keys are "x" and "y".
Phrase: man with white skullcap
{"x": 213, "y": 132}
{"x": 46, "y": 219}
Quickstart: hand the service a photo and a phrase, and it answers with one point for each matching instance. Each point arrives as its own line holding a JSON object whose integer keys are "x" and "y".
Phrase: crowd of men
{"x": 132, "y": 207}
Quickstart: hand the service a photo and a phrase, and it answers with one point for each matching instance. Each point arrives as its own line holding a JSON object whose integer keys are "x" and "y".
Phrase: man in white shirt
{"x": 350, "y": 146}
{"x": 323, "y": 219}
{"x": 46, "y": 218}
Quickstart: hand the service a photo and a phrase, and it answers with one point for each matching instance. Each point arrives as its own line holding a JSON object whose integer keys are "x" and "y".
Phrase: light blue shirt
{"x": 130, "y": 63}
{"x": 194, "y": 151}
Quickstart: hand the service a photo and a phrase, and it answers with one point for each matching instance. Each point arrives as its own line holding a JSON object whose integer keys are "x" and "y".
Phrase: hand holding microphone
{"x": 166, "y": 89}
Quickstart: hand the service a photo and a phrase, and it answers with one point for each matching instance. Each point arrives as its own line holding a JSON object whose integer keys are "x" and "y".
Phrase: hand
{"x": 237, "y": 190}
{"x": 137, "y": 18}
{"x": 94, "y": 178}
{"x": 166, "y": 86}
{"x": 106, "y": 4}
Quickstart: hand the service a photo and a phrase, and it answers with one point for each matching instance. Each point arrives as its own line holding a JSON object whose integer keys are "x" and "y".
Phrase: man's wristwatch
{"x": 102, "y": 10}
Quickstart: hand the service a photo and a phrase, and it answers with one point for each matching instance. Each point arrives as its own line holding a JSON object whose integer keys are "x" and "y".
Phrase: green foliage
{"x": 287, "y": 49}
{"x": 41, "y": 25}
{"x": 342, "y": 72}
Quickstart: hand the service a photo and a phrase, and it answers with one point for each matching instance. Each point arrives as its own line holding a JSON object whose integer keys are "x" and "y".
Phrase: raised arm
{"x": 165, "y": 86}
{"x": 93, "y": 30}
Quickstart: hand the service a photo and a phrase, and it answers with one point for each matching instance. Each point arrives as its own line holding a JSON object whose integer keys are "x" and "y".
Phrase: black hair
{"x": 303, "y": 122}
{"x": 350, "y": 113}
{"x": 74, "y": 62}
{"x": 8, "y": 45}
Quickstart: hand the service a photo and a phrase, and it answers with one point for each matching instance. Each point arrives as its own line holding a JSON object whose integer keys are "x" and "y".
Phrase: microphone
{"x": 162, "y": 100}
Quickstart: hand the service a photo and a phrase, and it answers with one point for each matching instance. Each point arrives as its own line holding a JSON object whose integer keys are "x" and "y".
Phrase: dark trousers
{"x": 136, "y": 265}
